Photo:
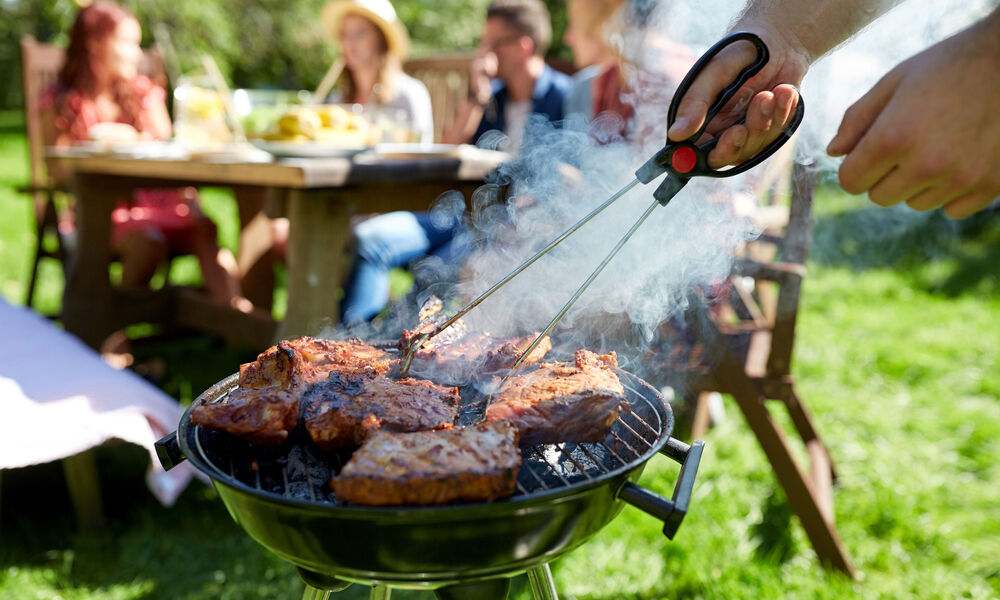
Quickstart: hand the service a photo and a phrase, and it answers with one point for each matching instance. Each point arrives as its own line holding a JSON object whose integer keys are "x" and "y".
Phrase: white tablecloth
{"x": 58, "y": 398}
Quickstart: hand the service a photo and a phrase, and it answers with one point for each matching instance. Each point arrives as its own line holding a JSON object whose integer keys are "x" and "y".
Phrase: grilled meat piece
{"x": 474, "y": 356}
{"x": 562, "y": 402}
{"x": 429, "y": 319}
{"x": 263, "y": 415}
{"x": 343, "y": 410}
{"x": 477, "y": 463}
{"x": 457, "y": 356}
{"x": 293, "y": 364}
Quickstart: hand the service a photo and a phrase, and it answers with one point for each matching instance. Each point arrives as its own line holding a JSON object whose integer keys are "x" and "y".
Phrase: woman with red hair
{"x": 100, "y": 95}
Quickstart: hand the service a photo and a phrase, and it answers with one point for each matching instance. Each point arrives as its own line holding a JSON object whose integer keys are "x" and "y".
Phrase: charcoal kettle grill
{"x": 564, "y": 495}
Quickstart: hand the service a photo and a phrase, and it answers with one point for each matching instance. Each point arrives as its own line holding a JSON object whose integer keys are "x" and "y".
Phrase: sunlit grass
{"x": 896, "y": 355}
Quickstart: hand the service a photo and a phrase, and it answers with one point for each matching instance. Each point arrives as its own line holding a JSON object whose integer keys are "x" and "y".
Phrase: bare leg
{"x": 262, "y": 243}
{"x": 140, "y": 253}
{"x": 218, "y": 265}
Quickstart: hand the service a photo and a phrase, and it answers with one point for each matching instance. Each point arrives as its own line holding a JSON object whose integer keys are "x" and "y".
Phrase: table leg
{"x": 88, "y": 306}
{"x": 318, "y": 259}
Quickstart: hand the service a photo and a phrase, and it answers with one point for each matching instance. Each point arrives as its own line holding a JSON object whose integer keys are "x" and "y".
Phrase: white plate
{"x": 231, "y": 153}
{"x": 307, "y": 149}
{"x": 150, "y": 150}
{"x": 417, "y": 150}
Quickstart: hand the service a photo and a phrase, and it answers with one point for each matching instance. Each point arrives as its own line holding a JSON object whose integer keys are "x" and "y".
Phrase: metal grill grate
{"x": 298, "y": 471}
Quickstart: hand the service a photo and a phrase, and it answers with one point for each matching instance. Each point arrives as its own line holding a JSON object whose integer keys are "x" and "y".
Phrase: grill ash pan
{"x": 565, "y": 494}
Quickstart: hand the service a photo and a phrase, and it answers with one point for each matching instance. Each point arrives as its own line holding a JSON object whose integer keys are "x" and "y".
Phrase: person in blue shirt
{"x": 509, "y": 83}
{"x": 509, "y": 79}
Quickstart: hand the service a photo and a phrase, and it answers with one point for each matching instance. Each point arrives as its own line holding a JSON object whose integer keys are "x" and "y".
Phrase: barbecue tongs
{"x": 679, "y": 160}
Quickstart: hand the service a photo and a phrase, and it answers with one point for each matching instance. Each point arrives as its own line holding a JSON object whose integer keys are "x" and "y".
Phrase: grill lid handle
{"x": 168, "y": 450}
{"x": 670, "y": 511}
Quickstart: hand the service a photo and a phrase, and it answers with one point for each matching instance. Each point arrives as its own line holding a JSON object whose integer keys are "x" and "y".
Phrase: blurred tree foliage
{"x": 257, "y": 43}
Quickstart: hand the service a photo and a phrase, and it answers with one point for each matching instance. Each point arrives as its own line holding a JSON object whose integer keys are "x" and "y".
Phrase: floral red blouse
{"x": 172, "y": 212}
{"x": 76, "y": 114}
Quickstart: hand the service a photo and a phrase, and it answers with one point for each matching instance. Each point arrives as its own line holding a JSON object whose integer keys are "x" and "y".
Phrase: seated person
{"x": 100, "y": 85}
{"x": 509, "y": 79}
{"x": 373, "y": 45}
{"x": 514, "y": 40}
{"x": 599, "y": 81}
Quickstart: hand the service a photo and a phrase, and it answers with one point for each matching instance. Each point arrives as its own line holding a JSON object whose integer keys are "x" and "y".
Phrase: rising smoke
{"x": 563, "y": 173}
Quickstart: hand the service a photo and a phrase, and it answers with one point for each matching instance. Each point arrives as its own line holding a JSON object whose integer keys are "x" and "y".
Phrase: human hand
{"x": 482, "y": 70}
{"x": 928, "y": 134}
{"x": 768, "y": 100}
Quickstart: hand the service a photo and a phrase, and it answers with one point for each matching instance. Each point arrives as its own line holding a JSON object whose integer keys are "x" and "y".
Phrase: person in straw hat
{"x": 374, "y": 45}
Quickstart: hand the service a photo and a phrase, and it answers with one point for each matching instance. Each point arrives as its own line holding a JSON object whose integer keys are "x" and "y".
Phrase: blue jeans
{"x": 387, "y": 241}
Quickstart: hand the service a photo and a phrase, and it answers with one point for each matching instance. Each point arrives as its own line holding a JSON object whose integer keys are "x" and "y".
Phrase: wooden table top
{"x": 466, "y": 163}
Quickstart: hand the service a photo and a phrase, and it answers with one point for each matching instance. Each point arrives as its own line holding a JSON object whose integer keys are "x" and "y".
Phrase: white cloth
{"x": 58, "y": 398}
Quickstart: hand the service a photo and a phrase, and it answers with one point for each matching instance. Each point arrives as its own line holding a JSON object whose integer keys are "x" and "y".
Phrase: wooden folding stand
{"x": 743, "y": 348}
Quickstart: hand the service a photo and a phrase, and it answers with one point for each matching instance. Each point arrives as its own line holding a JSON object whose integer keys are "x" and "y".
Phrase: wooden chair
{"x": 742, "y": 346}
{"x": 40, "y": 65}
{"x": 447, "y": 80}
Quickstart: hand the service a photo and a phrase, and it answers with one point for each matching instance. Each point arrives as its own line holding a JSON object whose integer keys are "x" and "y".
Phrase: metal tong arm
{"x": 625, "y": 238}
{"x": 419, "y": 341}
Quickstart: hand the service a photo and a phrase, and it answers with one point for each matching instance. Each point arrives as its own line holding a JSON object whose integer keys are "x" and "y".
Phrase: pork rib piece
{"x": 562, "y": 402}
{"x": 296, "y": 363}
{"x": 343, "y": 410}
{"x": 477, "y": 463}
{"x": 263, "y": 416}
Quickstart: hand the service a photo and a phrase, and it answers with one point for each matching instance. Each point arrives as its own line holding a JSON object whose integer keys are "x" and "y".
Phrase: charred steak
{"x": 477, "y": 463}
{"x": 296, "y": 363}
{"x": 263, "y": 416}
{"x": 342, "y": 410}
{"x": 562, "y": 402}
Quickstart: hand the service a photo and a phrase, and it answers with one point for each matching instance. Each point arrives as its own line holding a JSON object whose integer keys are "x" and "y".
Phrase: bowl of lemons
{"x": 315, "y": 131}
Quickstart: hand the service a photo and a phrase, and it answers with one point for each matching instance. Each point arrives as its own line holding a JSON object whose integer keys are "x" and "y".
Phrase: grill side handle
{"x": 670, "y": 511}
{"x": 168, "y": 450}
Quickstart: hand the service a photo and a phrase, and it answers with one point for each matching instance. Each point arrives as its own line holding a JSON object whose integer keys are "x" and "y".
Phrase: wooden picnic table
{"x": 322, "y": 196}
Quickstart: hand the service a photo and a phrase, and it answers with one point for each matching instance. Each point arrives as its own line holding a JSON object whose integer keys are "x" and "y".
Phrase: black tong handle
{"x": 686, "y": 159}
{"x": 729, "y": 91}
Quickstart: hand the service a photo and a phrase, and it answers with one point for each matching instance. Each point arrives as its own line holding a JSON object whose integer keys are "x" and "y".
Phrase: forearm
{"x": 461, "y": 130}
{"x": 813, "y": 26}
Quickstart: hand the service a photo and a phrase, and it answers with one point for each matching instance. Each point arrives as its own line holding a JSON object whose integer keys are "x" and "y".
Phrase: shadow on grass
{"x": 774, "y": 531}
{"x": 905, "y": 240}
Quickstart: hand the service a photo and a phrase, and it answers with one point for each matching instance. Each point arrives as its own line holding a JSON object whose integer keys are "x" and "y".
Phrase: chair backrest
{"x": 40, "y": 64}
{"x": 447, "y": 80}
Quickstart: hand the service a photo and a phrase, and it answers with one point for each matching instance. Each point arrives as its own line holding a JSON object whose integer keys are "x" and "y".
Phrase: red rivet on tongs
{"x": 683, "y": 159}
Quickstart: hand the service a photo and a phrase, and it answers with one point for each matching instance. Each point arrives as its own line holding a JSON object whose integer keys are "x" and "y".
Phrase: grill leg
{"x": 542, "y": 586}
{"x": 312, "y": 593}
{"x": 380, "y": 592}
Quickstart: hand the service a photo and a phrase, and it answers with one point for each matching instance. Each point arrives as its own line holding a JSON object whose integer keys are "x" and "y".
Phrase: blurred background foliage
{"x": 257, "y": 43}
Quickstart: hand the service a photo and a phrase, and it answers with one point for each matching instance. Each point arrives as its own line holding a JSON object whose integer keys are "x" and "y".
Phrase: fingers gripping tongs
{"x": 679, "y": 160}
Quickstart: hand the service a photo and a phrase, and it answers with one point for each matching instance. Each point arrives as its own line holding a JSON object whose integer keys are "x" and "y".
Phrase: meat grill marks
{"x": 293, "y": 364}
{"x": 265, "y": 407}
{"x": 562, "y": 402}
{"x": 263, "y": 416}
{"x": 343, "y": 410}
{"x": 477, "y": 463}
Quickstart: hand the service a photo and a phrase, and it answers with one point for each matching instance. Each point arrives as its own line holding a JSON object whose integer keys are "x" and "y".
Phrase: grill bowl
{"x": 566, "y": 494}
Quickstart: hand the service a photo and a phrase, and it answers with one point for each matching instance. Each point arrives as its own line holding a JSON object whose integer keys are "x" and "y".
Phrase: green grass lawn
{"x": 896, "y": 355}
